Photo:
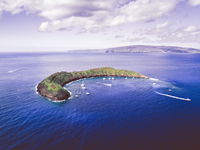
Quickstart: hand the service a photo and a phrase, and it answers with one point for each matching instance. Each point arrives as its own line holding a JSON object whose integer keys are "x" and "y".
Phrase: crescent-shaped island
{"x": 52, "y": 86}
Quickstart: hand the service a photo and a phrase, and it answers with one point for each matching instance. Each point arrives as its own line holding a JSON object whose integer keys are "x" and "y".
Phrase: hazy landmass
{"x": 141, "y": 49}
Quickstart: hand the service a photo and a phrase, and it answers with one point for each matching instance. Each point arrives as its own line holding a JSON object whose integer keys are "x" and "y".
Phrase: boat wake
{"x": 105, "y": 84}
{"x": 185, "y": 99}
{"x": 11, "y": 71}
{"x": 154, "y": 79}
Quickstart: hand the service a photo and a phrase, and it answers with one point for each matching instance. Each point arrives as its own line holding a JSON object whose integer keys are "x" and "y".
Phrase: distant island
{"x": 141, "y": 49}
{"x": 52, "y": 86}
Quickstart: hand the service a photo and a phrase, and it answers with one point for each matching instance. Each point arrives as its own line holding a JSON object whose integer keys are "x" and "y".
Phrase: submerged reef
{"x": 52, "y": 86}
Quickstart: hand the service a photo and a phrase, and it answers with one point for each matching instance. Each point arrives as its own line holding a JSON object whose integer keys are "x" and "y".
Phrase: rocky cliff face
{"x": 52, "y": 86}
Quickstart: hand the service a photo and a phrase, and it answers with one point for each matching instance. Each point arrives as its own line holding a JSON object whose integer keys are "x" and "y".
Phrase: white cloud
{"x": 147, "y": 10}
{"x": 191, "y": 29}
{"x": 163, "y": 25}
{"x": 119, "y": 36}
{"x": 194, "y": 2}
{"x": 170, "y": 34}
{"x": 88, "y": 14}
{"x": 134, "y": 39}
{"x": 12, "y": 6}
{"x": 180, "y": 35}
{"x": 137, "y": 39}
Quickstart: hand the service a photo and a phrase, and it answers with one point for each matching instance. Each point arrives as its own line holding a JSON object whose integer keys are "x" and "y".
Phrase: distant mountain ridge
{"x": 151, "y": 49}
{"x": 141, "y": 49}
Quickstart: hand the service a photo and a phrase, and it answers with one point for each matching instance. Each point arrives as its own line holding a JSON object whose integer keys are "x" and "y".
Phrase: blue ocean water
{"x": 129, "y": 114}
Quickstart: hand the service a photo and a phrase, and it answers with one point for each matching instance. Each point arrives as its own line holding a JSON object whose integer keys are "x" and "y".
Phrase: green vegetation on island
{"x": 52, "y": 86}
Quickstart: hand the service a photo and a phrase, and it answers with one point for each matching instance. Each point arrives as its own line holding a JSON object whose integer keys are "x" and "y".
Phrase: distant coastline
{"x": 141, "y": 49}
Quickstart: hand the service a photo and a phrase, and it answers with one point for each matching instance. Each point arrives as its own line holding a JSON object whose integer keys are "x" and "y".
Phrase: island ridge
{"x": 52, "y": 86}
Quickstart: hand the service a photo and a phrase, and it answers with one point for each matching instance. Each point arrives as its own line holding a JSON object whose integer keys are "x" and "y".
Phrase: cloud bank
{"x": 91, "y": 14}
{"x": 166, "y": 33}
{"x": 194, "y": 2}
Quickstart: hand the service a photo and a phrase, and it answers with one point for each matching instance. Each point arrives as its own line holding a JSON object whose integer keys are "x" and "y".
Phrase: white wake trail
{"x": 185, "y": 99}
{"x": 153, "y": 79}
{"x": 11, "y": 71}
{"x": 105, "y": 84}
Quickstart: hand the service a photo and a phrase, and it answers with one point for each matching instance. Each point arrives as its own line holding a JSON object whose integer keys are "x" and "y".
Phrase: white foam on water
{"x": 36, "y": 91}
{"x": 185, "y": 99}
{"x": 154, "y": 79}
{"x": 69, "y": 93}
{"x": 11, "y": 71}
{"x": 56, "y": 101}
{"x": 163, "y": 85}
{"x": 105, "y": 84}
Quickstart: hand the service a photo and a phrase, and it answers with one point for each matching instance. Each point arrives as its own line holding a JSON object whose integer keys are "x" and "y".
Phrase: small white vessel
{"x": 79, "y": 93}
{"x": 87, "y": 93}
{"x": 76, "y": 95}
{"x": 113, "y": 78}
{"x": 188, "y": 99}
{"x": 82, "y": 84}
{"x": 126, "y": 77}
{"x": 104, "y": 78}
{"x": 109, "y": 78}
{"x": 83, "y": 87}
{"x": 133, "y": 78}
{"x": 170, "y": 90}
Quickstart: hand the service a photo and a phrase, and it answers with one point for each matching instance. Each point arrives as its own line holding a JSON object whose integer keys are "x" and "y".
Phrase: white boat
{"x": 83, "y": 87}
{"x": 82, "y": 84}
{"x": 188, "y": 99}
{"x": 126, "y": 77}
{"x": 170, "y": 90}
{"x": 76, "y": 95}
{"x": 109, "y": 78}
{"x": 113, "y": 78}
{"x": 10, "y": 71}
{"x": 104, "y": 78}
{"x": 87, "y": 93}
{"x": 133, "y": 78}
{"x": 79, "y": 93}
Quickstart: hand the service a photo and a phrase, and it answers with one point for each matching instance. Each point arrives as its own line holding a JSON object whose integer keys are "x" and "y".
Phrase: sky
{"x": 61, "y": 25}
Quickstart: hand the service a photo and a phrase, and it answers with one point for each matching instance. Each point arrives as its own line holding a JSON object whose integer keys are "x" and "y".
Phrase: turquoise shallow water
{"x": 129, "y": 114}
